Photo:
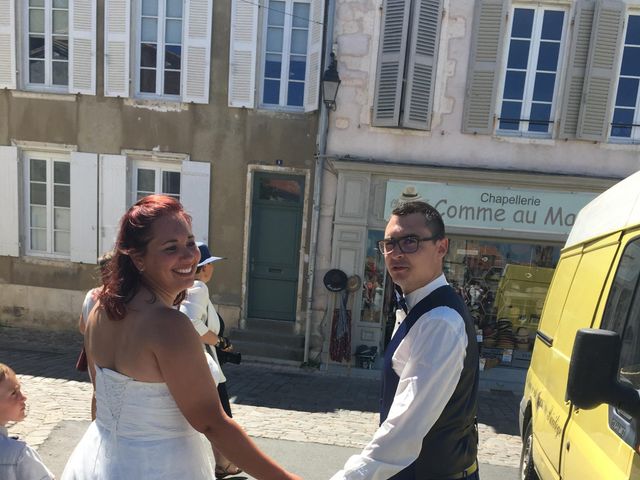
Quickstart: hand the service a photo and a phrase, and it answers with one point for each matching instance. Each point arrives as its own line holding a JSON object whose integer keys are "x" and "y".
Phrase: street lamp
{"x": 330, "y": 84}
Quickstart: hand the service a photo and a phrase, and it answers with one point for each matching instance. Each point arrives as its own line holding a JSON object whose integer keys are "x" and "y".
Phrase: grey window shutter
{"x": 578, "y": 55}
{"x": 391, "y": 57}
{"x": 421, "y": 66}
{"x": 606, "y": 37}
{"x": 486, "y": 42}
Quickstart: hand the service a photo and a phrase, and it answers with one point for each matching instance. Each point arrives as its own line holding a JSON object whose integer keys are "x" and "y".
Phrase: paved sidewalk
{"x": 270, "y": 402}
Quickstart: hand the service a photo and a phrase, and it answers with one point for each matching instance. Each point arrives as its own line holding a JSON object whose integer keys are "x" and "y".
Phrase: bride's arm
{"x": 182, "y": 363}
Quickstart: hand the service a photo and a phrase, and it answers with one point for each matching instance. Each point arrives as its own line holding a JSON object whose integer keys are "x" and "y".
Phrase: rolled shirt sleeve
{"x": 429, "y": 362}
{"x": 195, "y": 305}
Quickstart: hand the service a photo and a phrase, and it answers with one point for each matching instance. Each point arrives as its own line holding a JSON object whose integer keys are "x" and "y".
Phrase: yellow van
{"x": 580, "y": 413}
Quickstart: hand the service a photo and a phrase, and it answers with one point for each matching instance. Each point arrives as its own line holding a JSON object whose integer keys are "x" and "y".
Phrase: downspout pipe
{"x": 321, "y": 145}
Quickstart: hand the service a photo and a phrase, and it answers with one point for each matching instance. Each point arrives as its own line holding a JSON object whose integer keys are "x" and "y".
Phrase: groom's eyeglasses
{"x": 408, "y": 244}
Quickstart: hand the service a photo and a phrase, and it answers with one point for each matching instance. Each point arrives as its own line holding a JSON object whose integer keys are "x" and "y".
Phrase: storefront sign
{"x": 541, "y": 211}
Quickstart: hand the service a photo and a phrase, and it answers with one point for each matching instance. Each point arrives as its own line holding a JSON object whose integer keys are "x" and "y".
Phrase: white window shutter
{"x": 117, "y": 21}
{"x": 112, "y": 198}
{"x": 84, "y": 207}
{"x": 197, "y": 51}
{"x": 391, "y": 61}
{"x": 10, "y": 231}
{"x": 82, "y": 47}
{"x": 486, "y": 42}
{"x": 242, "y": 53}
{"x": 601, "y": 73}
{"x": 578, "y": 55}
{"x": 194, "y": 196}
{"x": 421, "y": 66}
{"x": 314, "y": 57}
{"x": 7, "y": 44}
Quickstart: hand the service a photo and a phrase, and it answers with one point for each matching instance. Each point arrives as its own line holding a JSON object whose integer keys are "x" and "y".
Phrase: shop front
{"x": 506, "y": 231}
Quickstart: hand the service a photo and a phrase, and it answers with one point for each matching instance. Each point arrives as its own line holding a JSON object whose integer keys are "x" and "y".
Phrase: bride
{"x": 151, "y": 380}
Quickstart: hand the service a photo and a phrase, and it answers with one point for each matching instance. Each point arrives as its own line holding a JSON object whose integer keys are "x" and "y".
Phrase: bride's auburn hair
{"x": 122, "y": 280}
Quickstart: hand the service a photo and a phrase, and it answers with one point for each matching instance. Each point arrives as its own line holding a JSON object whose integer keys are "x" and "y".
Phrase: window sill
{"x": 541, "y": 139}
{"x": 157, "y": 105}
{"x": 43, "y": 259}
{"x": 61, "y": 97}
{"x": 282, "y": 109}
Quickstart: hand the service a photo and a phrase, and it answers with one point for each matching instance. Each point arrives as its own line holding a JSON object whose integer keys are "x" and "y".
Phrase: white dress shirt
{"x": 18, "y": 461}
{"x": 429, "y": 362}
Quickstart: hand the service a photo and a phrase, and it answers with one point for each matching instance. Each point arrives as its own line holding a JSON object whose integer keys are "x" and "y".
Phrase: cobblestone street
{"x": 270, "y": 402}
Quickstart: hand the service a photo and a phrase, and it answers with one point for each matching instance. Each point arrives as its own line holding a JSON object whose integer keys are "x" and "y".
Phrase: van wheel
{"x": 527, "y": 472}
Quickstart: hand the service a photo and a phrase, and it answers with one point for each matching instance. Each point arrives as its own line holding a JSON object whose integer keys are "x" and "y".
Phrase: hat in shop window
{"x": 205, "y": 255}
{"x": 354, "y": 283}
{"x": 410, "y": 194}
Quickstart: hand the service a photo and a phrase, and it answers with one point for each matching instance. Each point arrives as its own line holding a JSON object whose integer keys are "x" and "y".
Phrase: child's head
{"x": 12, "y": 401}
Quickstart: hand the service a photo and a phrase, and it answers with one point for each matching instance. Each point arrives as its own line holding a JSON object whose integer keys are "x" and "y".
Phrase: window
{"x": 160, "y": 47}
{"x": 48, "y": 194}
{"x": 47, "y": 44}
{"x": 285, "y": 53}
{"x": 531, "y": 76}
{"x": 153, "y": 178}
{"x": 626, "y": 116}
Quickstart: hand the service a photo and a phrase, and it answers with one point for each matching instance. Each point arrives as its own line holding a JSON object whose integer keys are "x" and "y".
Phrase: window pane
{"x": 60, "y": 22}
{"x": 280, "y": 190}
{"x": 518, "y": 54}
{"x": 62, "y": 219}
{"x": 61, "y": 242}
{"x": 548, "y": 56}
{"x": 301, "y": 15}
{"x": 539, "y": 118}
{"x": 522, "y": 22}
{"x": 174, "y": 8}
{"x": 60, "y": 71}
{"x": 552, "y": 25}
{"x": 147, "y": 81}
{"x": 36, "y": 21}
{"x": 295, "y": 94}
{"x": 37, "y": 170}
{"x": 172, "y": 83}
{"x": 146, "y": 180}
{"x": 172, "y": 57}
{"x": 627, "y": 92}
{"x": 61, "y": 172}
{"x": 274, "y": 39}
{"x": 36, "y": 3}
{"x": 173, "y": 33}
{"x": 148, "y": 55}
{"x": 36, "y": 71}
{"x": 36, "y": 47}
{"x": 273, "y": 65}
{"x": 61, "y": 196}
{"x": 543, "y": 88}
{"x": 38, "y": 194}
{"x": 171, "y": 182}
{"x": 60, "y": 4}
{"x": 299, "y": 41}
{"x": 622, "y": 121}
{"x": 514, "y": 85}
{"x": 39, "y": 217}
{"x": 633, "y": 30}
{"x": 150, "y": 8}
{"x": 296, "y": 68}
{"x": 276, "y": 13}
{"x": 39, "y": 240}
{"x": 60, "y": 48}
{"x": 149, "y": 30}
{"x": 271, "y": 93}
{"x": 510, "y": 116}
{"x": 631, "y": 61}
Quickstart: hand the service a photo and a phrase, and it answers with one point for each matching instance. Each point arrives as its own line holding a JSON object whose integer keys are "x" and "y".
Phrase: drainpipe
{"x": 321, "y": 143}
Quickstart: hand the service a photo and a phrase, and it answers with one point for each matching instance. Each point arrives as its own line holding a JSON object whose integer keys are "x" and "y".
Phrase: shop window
{"x": 504, "y": 286}
{"x": 626, "y": 116}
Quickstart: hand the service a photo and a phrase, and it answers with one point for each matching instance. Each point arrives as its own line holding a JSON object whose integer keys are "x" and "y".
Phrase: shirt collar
{"x": 414, "y": 297}
{"x": 3, "y": 431}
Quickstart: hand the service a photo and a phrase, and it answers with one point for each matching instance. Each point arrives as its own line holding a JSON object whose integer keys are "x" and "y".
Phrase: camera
{"x": 228, "y": 357}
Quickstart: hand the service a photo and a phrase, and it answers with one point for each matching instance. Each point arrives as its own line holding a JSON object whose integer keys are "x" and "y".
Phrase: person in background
{"x": 18, "y": 461}
{"x": 155, "y": 395}
{"x": 428, "y": 427}
{"x": 198, "y": 307}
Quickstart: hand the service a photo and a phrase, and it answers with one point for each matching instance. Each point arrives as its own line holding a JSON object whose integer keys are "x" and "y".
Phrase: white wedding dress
{"x": 139, "y": 433}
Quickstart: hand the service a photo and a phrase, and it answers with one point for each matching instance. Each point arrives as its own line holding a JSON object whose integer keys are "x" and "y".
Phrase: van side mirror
{"x": 593, "y": 373}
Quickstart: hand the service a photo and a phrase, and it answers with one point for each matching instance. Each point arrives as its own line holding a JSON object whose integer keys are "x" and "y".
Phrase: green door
{"x": 274, "y": 248}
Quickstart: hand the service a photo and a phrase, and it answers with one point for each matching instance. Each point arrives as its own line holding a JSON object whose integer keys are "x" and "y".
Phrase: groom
{"x": 428, "y": 409}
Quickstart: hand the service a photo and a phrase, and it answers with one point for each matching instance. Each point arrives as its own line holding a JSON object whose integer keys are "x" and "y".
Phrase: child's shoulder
{"x": 11, "y": 449}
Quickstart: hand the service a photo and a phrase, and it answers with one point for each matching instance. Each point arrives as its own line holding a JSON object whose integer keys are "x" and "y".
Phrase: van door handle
{"x": 568, "y": 446}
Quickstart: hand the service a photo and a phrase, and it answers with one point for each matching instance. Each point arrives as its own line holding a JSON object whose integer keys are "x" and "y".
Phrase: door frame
{"x": 303, "y": 259}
